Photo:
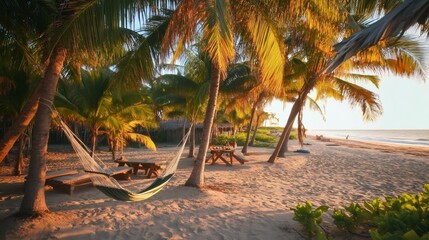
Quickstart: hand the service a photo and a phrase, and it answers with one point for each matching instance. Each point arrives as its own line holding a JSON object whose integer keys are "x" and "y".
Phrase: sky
{"x": 405, "y": 106}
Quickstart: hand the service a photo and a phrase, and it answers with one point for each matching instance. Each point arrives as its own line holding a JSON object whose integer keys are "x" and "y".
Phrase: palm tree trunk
{"x": 197, "y": 176}
{"x": 94, "y": 141}
{"x": 252, "y": 142}
{"x": 246, "y": 143}
{"x": 192, "y": 142}
{"x": 114, "y": 147}
{"x": 34, "y": 202}
{"x": 20, "y": 158}
{"x": 284, "y": 148}
{"x": 21, "y": 123}
{"x": 296, "y": 108}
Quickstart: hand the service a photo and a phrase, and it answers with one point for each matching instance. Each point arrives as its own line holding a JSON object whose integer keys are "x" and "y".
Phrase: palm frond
{"x": 393, "y": 24}
{"x": 147, "y": 141}
{"x": 218, "y": 34}
{"x": 357, "y": 95}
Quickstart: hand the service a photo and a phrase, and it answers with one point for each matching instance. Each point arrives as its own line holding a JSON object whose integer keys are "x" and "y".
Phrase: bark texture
{"x": 34, "y": 202}
{"x": 196, "y": 179}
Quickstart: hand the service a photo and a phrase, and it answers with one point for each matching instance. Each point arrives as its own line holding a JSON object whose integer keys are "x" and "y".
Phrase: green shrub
{"x": 293, "y": 136}
{"x": 265, "y": 138}
{"x": 310, "y": 219}
{"x": 403, "y": 217}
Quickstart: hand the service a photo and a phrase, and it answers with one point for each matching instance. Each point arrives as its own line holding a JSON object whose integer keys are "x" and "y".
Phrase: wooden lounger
{"x": 57, "y": 173}
{"x": 68, "y": 183}
{"x": 60, "y": 173}
{"x": 122, "y": 173}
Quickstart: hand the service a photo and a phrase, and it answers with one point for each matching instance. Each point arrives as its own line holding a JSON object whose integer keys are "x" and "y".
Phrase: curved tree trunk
{"x": 21, "y": 123}
{"x": 197, "y": 176}
{"x": 34, "y": 202}
{"x": 252, "y": 142}
{"x": 296, "y": 108}
{"x": 246, "y": 143}
{"x": 192, "y": 142}
{"x": 284, "y": 148}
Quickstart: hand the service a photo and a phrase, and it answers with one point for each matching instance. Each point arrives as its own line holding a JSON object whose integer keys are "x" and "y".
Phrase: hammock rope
{"x": 100, "y": 173}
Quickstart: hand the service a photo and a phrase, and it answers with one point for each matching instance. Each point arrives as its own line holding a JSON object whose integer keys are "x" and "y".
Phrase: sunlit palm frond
{"x": 218, "y": 34}
{"x": 313, "y": 105}
{"x": 147, "y": 141}
{"x": 265, "y": 40}
{"x": 357, "y": 95}
{"x": 182, "y": 27}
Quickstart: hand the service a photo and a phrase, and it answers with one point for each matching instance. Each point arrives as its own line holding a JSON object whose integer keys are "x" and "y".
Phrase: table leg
{"x": 135, "y": 168}
{"x": 224, "y": 160}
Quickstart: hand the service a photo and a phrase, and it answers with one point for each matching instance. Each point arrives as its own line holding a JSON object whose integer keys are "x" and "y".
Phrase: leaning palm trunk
{"x": 284, "y": 148}
{"x": 197, "y": 176}
{"x": 34, "y": 202}
{"x": 252, "y": 141}
{"x": 246, "y": 143}
{"x": 297, "y": 106}
{"x": 20, "y": 124}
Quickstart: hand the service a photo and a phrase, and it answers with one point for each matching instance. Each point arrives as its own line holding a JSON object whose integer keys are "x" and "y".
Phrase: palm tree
{"x": 16, "y": 30}
{"x": 17, "y": 87}
{"x": 216, "y": 19}
{"x": 92, "y": 101}
{"x": 320, "y": 51}
{"x": 67, "y": 28}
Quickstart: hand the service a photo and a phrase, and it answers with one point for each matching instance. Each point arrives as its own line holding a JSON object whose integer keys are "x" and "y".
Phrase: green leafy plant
{"x": 405, "y": 215}
{"x": 310, "y": 219}
{"x": 350, "y": 220}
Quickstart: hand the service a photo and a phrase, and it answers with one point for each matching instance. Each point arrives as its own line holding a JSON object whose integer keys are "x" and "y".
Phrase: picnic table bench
{"x": 220, "y": 152}
{"x": 151, "y": 167}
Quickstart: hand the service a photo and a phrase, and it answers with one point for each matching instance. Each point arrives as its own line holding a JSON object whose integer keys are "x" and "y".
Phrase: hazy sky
{"x": 405, "y": 106}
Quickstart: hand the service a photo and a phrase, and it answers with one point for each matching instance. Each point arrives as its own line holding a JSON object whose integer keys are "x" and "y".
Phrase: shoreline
{"x": 417, "y": 150}
{"x": 243, "y": 201}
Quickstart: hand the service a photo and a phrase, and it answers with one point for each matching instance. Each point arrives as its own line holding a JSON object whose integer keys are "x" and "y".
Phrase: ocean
{"x": 404, "y": 137}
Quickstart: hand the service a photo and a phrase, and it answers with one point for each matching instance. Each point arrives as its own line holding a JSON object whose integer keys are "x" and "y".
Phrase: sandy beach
{"x": 249, "y": 201}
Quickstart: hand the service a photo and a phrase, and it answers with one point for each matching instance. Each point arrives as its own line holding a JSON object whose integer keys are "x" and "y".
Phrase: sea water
{"x": 407, "y": 137}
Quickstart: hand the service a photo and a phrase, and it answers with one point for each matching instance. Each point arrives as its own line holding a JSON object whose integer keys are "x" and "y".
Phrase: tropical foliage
{"x": 250, "y": 52}
{"x": 402, "y": 217}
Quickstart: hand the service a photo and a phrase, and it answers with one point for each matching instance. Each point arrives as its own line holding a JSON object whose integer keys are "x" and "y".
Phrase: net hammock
{"x": 101, "y": 174}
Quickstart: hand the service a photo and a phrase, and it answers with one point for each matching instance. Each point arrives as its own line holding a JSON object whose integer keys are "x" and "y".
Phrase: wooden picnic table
{"x": 221, "y": 153}
{"x": 150, "y": 166}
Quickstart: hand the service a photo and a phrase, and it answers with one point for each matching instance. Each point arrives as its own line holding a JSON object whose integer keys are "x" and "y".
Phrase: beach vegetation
{"x": 405, "y": 216}
{"x": 310, "y": 219}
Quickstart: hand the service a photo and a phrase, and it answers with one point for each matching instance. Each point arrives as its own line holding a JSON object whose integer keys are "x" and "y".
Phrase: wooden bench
{"x": 68, "y": 183}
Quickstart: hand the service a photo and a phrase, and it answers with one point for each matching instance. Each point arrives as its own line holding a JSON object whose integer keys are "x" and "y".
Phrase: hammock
{"x": 101, "y": 174}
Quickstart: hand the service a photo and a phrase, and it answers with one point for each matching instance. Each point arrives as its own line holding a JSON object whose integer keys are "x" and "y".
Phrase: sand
{"x": 250, "y": 201}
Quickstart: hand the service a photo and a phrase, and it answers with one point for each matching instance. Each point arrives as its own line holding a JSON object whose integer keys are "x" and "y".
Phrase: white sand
{"x": 250, "y": 201}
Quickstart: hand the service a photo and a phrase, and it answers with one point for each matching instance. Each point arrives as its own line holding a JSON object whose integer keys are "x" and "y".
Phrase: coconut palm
{"x": 217, "y": 21}
{"x": 17, "y": 87}
{"x": 374, "y": 59}
{"x": 64, "y": 29}
{"x": 92, "y": 102}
